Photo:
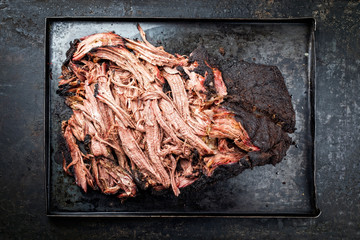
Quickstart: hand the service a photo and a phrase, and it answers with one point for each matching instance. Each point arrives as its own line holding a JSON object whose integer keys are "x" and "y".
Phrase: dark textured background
{"x": 22, "y": 197}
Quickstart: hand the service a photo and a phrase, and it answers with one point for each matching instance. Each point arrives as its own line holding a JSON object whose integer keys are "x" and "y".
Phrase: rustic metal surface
{"x": 287, "y": 189}
{"x": 22, "y": 173}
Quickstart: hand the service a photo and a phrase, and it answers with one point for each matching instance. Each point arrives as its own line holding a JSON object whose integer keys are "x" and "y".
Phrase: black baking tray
{"x": 284, "y": 190}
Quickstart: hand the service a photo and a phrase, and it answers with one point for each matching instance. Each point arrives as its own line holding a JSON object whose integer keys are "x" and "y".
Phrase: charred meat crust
{"x": 201, "y": 57}
{"x": 259, "y": 89}
{"x": 182, "y": 72}
{"x": 70, "y": 52}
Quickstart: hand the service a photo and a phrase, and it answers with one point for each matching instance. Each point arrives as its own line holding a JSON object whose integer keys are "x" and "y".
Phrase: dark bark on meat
{"x": 265, "y": 131}
{"x": 70, "y": 52}
{"x": 182, "y": 72}
{"x": 201, "y": 57}
{"x": 260, "y": 89}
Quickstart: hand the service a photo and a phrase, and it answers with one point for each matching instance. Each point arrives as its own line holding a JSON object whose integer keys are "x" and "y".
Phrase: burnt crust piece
{"x": 260, "y": 89}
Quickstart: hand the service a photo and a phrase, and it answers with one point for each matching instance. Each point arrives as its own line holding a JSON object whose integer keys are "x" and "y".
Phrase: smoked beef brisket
{"x": 147, "y": 119}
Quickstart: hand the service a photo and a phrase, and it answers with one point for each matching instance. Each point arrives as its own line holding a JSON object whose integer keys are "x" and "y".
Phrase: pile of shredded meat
{"x": 144, "y": 118}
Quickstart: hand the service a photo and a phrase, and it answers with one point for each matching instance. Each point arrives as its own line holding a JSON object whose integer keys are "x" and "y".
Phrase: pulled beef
{"x": 144, "y": 118}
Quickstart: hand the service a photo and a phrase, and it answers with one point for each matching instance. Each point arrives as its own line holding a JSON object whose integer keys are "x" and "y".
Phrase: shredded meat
{"x": 136, "y": 134}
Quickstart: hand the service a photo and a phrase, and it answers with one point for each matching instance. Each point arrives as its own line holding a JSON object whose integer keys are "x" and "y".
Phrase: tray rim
{"x": 315, "y": 213}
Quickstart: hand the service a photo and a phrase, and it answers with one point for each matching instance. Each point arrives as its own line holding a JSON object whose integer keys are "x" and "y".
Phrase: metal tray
{"x": 284, "y": 190}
